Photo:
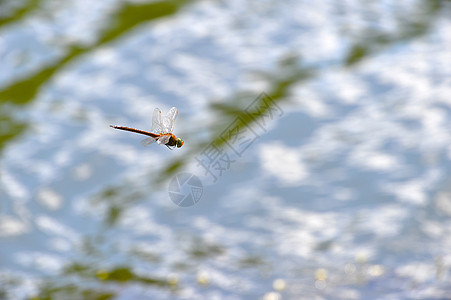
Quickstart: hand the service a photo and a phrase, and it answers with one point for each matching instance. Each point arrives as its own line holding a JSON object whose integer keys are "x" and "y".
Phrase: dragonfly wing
{"x": 164, "y": 139}
{"x": 148, "y": 141}
{"x": 157, "y": 125}
{"x": 169, "y": 119}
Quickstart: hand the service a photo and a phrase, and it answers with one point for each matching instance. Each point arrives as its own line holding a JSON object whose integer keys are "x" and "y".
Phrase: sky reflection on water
{"x": 343, "y": 195}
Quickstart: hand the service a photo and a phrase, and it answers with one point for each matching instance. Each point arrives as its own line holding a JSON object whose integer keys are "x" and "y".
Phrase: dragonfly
{"x": 161, "y": 131}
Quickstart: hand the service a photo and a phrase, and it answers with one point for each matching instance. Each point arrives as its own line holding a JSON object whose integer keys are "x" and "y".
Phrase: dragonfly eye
{"x": 179, "y": 142}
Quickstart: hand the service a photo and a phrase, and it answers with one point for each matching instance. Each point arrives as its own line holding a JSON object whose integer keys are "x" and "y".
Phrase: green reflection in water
{"x": 251, "y": 261}
{"x": 10, "y": 128}
{"x": 124, "y": 274}
{"x": 98, "y": 278}
{"x": 71, "y": 291}
{"x": 201, "y": 249}
{"x": 20, "y": 13}
{"x": 372, "y": 41}
{"x": 116, "y": 200}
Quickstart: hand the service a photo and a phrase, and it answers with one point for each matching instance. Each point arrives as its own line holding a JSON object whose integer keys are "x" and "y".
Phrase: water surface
{"x": 342, "y": 194}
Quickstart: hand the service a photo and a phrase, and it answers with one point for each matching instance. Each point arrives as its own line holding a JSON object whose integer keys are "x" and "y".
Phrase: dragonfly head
{"x": 179, "y": 142}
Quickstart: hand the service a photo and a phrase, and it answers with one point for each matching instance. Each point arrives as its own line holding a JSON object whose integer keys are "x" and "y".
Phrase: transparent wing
{"x": 169, "y": 120}
{"x": 164, "y": 139}
{"x": 157, "y": 125}
{"x": 148, "y": 141}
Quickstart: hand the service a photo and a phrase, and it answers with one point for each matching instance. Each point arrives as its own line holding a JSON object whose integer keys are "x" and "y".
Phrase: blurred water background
{"x": 344, "y": 192}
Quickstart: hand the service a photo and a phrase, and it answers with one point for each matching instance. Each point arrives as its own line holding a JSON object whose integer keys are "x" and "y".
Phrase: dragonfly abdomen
{"x": 136, "y": 131}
